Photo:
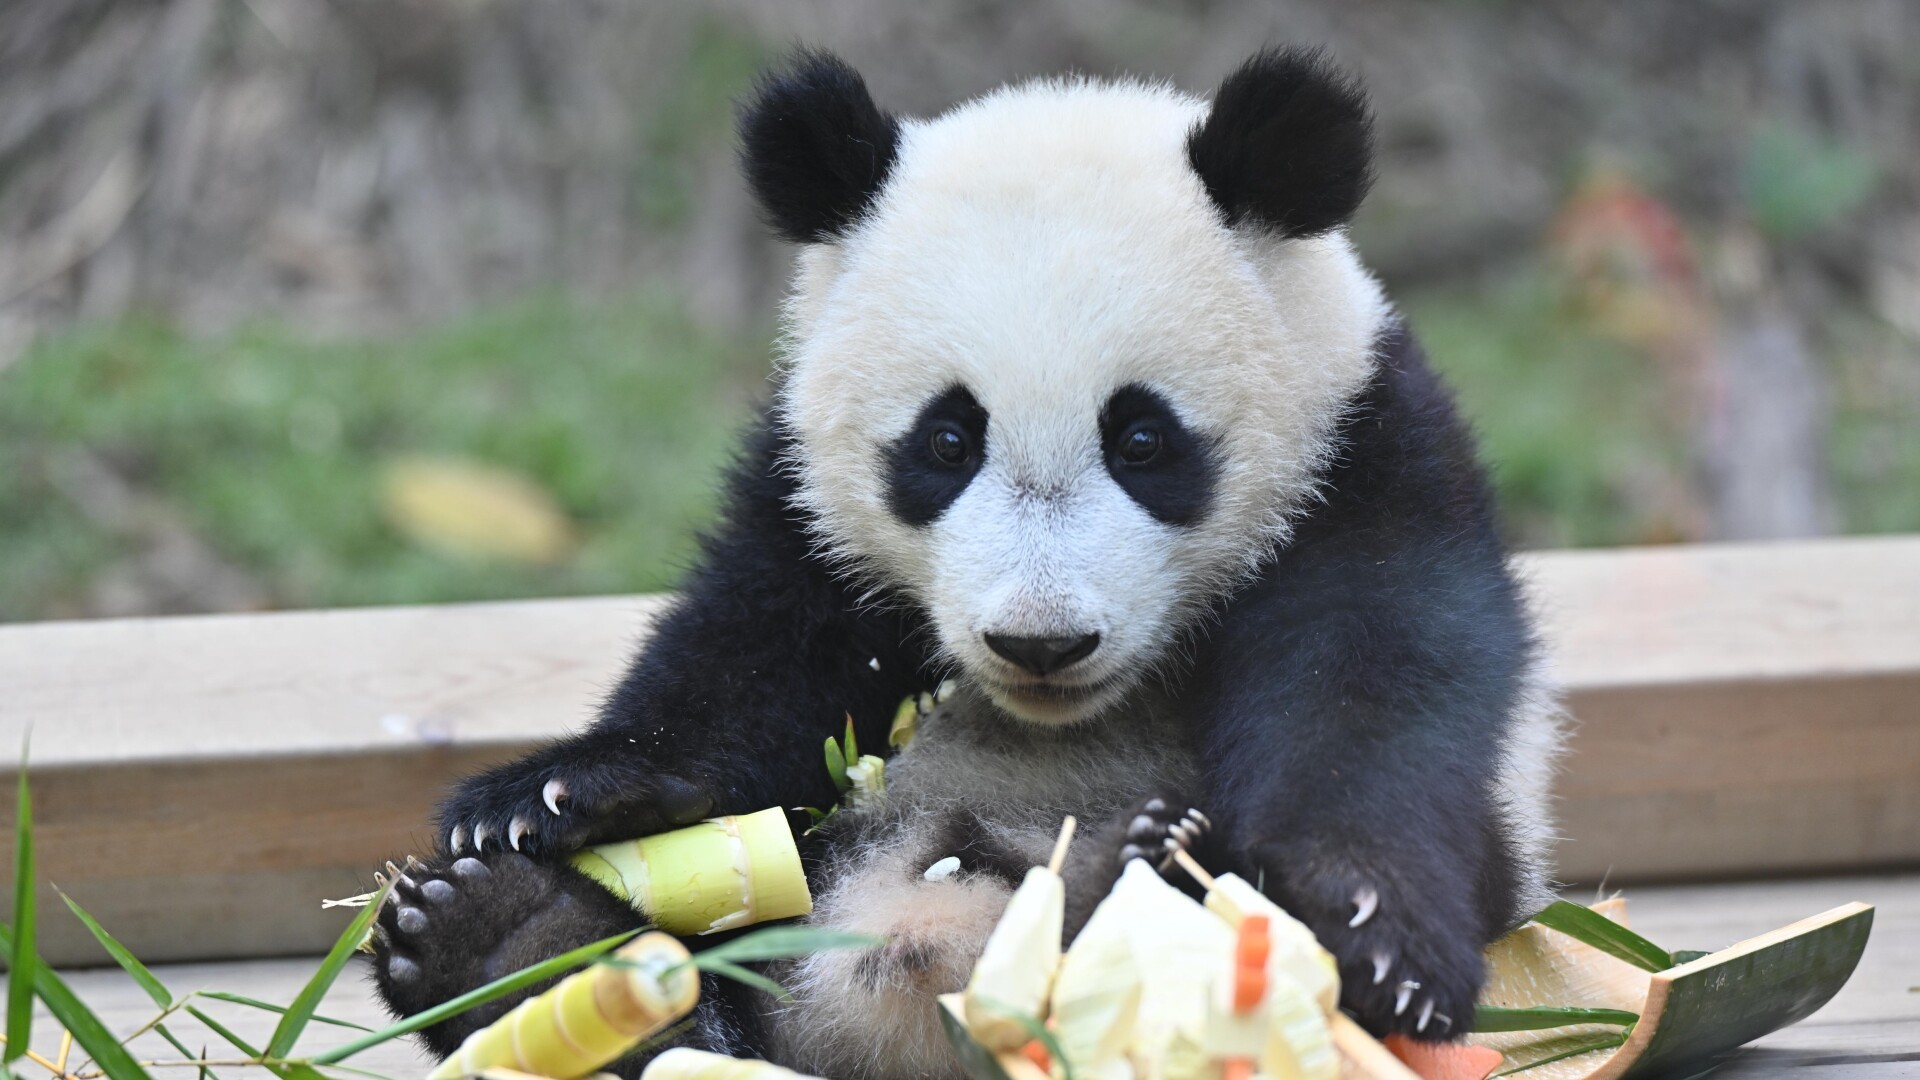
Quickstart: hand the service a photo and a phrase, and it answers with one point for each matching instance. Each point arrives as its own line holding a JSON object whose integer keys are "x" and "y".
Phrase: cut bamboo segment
{"x": 591, "y": 1018}
{"x": 718, "y": 875}
{"x": 1690, "y": 1015}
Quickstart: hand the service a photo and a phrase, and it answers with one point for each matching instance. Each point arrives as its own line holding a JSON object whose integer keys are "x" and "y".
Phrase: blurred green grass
{"x": 269, "y": 445}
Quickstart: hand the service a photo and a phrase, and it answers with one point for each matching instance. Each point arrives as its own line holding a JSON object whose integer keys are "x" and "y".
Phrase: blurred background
{"x": 329, "y": 302}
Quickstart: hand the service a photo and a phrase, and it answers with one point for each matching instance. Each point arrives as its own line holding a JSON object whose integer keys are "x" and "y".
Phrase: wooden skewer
{"x": 1059, "y": 858}
{"x": 1364, "y": 1050}
{"x": 1193, "y": 868}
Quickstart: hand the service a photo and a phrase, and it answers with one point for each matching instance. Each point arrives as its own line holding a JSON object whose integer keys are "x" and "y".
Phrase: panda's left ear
{"x": 1288, "y": 144}
{"x": 814, "y": 147}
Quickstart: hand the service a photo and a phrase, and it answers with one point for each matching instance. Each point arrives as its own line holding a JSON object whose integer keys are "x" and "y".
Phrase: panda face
{"x": 1044, "y": 389}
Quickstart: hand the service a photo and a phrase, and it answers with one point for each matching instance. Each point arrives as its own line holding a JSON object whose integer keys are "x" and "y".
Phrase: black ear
{"x": 814, "y": 147}
{"x": 1288, "y": 144}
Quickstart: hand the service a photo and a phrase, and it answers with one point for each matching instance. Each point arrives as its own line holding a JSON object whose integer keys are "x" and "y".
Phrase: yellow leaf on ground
{"x": 474, "y": 511}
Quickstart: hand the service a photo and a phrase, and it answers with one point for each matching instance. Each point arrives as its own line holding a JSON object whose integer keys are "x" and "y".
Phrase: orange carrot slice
{"x": 1445, "y": 1061}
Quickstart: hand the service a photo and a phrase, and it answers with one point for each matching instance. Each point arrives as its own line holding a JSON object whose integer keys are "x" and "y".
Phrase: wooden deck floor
{"x": 1871, "y": 1031}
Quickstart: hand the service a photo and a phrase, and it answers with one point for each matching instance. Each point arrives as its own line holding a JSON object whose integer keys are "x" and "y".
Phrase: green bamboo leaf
{"x": 498, "y": 988}
{"x": 1496, "y": 1018}
{"x": 1592, "y": 928}
{"x": 288, "y": 1070}
{"x": 21, "y": 958}
{"x": 742, "y": 975}
{"x": 851, "y": 747}
{"x": 256, "y": 1003}
{"x": 1033, "y": 1028}
{"x": 186, "y": 1054}
{"x": 782, "y": 942}
{"x": 88, "y": 1031}
{"x": 302, "y": 1010}
{"x": 837, "y": 765}
{"x": 127, "y": 961}
{"x": 1605, "y": 1041}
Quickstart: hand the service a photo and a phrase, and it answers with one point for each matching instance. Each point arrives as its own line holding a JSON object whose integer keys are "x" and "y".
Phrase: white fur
{"x": 1044, "y": 246}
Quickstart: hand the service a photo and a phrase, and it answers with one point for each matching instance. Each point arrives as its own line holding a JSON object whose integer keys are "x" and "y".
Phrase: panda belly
{"x": 994, "y": 797}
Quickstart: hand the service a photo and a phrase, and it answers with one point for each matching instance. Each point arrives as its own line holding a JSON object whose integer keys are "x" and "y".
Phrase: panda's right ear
{"x": 814, "y": 147}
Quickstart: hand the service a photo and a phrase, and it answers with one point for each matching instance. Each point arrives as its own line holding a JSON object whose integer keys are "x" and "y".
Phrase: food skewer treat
{"x": 718, "y": 875}
{"x": 1014, "y": 975}
{"x": 591, "y": 1018}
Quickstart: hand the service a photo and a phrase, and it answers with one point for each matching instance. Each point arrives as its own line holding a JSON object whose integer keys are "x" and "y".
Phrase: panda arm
{"x": 1355, "y": 705}
{"x": 762, "y": 656}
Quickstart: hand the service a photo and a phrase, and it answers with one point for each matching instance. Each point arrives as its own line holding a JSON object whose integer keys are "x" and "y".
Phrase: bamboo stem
{"x": 38, "y": 1060}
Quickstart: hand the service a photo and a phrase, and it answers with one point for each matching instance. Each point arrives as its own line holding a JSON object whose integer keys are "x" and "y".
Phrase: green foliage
{"x": 294, "y": 1021}
{"x": 1495, "y": 1018}
{"x": 269, "y": 445}
{"x": 473, "y": 999}
{"x": 21, "y": 958}
{"x": 1582, "y": 433}
{"x": 1589, "y": 927}
{"x": 1796, "y": 182}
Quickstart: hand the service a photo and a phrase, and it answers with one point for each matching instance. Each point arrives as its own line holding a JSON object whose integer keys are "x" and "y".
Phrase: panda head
{"x": 1062, "y": 363}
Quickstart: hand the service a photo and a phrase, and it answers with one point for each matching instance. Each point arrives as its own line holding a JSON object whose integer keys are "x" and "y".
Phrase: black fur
{"x": 1288, "y": 144}
{"x": 763, "y": 655}
{"x": 1355, "y": 697}
{"x": 1176, "y": 484}
{"x": 920, "y": 486}
{"x": 815, "y": 148}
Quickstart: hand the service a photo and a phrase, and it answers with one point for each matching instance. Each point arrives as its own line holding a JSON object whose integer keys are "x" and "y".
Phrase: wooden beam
{"x": 201, "y": 783}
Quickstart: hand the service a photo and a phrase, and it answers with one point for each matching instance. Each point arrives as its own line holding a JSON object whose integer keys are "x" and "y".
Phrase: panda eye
{"x": 1140, "y": 446}
{"x": 950, "y": 445}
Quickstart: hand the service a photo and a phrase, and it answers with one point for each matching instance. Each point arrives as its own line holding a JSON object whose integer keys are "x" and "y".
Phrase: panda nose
{"x": 1043, "y": 655}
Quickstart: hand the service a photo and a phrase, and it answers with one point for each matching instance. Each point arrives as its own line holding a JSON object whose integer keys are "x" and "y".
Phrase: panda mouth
{"x": 1056, "y": 693}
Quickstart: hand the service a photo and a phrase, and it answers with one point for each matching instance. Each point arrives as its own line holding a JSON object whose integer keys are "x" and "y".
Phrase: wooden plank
{"x": 203, "y": 781}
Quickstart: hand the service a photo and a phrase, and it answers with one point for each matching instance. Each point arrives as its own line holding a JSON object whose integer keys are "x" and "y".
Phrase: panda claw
{"x": 553, "y": 794}
{"x": 1403, "y": 996}
{"x": 1426, "y": 1016}
{"x": 481, "y": 834}
{"x": 517, "y": 831}
{"x": 1382, "y": 963}
{"x": 1365, "y": 902}
{"x": 1206, "y": 823}
{"x": 457, "y": 841}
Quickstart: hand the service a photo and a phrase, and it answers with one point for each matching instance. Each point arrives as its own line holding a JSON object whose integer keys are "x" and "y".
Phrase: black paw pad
{"x": 1160, "y": 829}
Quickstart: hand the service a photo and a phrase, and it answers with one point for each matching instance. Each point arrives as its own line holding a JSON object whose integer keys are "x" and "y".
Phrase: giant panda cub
{"x": 1087, "y": 404}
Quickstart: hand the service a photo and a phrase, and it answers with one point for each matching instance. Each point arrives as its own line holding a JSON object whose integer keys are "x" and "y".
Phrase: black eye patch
{"x": 1162, "y": 464}
{"x": 928, "y": 467}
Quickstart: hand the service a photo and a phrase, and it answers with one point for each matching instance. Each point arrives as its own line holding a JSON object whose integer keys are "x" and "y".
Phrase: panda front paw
{"x": 1409, "y": 963}
{"x": 544, "y": 807}
{"x": 1160, "y": 828}
{"x": 447, "y": 929}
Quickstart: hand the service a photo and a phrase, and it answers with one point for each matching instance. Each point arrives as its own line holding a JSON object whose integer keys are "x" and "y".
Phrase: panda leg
{"x": 450, "y": 929}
